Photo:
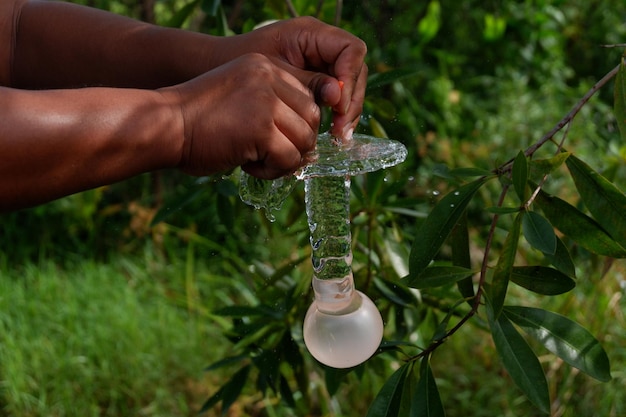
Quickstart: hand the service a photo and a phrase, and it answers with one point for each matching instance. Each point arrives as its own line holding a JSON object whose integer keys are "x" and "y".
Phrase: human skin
{"x": 88, "y": 98}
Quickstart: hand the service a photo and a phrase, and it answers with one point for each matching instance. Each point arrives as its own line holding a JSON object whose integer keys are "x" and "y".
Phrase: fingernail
{"x": 347, "y": 132}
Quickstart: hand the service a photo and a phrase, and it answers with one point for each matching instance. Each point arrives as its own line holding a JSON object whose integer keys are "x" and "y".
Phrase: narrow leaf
{"x": 504, "y": 268}
{"x": 620, "y": 99}
{"x": 396, "y": 292}
{"x": 460, "y": 245}
{"x": 539, "y": 233}
{"x": 384, "y": 78}
{"x": 606, "y": 203}
{"x": 229, "y": 392}
{"x": 565, "y": 338}
{"x": 426, "y": 401}
{"x": 469, "y": 172}
{"x": 437, "y": 276}
{"x": 520, "y": 175}
{"x": 562, "y": 260}
{"x": 182, "y": 14}
{"x": 541, "y": 167}
{"x": 542, "y": 280}
{"x": 433, "y": 232}
{"x": 387, "y": 401}
{"x": 581, "y": 228}
{"x": 520, "y": 361}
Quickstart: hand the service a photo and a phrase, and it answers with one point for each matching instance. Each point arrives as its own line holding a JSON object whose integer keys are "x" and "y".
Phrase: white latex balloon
{"x": 343, "y": 340}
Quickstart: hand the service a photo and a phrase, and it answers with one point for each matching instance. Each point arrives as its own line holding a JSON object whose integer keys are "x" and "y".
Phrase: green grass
{"x": 101, "y": 340}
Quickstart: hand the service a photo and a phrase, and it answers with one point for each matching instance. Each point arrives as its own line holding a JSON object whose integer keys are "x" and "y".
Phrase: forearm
{"x": 65, "y": 45}
{"x": 72, "y": 140}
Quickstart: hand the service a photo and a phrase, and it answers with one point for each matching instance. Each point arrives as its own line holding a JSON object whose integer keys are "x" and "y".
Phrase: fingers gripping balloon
{"x": 342, "y": 328}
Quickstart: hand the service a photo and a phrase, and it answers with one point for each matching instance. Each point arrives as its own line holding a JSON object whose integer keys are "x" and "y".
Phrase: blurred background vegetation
{"x": 105, "y": 313}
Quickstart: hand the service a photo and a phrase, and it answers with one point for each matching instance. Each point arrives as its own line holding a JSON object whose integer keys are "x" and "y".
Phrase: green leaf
{"x": 333, "y": 377}
{"x": 562, "y": 260}
{"x": 469, "y": 172}
{"x": 504, "y": 210}
{"x": 504, "y": 268}
{"x": 435, "y": 229}
{"x": 225, "y": 362}
{"x": 426, "y": 401}
{"x": 387, "y": 401}
{"x": 542, "y": 280}
{"x": 520, "y": 175}
{"x": 396, "y": 292}
{"x": 211, "y": 7}
{"x": 539, "y": 232}
{"x": 182, "y": 14}
{"x": 541, "y": 167}
{"x": 229, "y": 392}
{"x": 437, "y": 276}
{"x": 429, "y": 25}
{"x": 619, "y": 96}
{"x": 581, "y": 228}
{"x": 565, "y": 338}
{"x": 460, "y": 245}
{"x": 384, "y": 78}
{"x": 606, "y": 203}
{"x": 377, "y": 129}
{"x": 520, "y": 361}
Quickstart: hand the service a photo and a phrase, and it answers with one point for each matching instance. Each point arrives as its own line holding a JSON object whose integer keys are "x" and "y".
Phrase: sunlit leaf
{"x": 504, "y": 268}
{"x": 377, "y": 128}
{"x": 520, "y": 175}
{"x": 606, "y": 203}
{"x": 398, "y": 254}
{"x": 436, "y": 228}
{"x": 619, "y": 95}
{"x": 565, "y": 338}
{"x": 520, "y": 361}
{"x": 387, "y": 401}
{"x": 539, "y": 232}
{"x": 542, "y": 280}
{"x": 426, "y": 401}
{"x": 430, "y": 23}
{"x": 581, "y": 228}
{"x": 182, "y": 14}
{"x": 437, "y": 276}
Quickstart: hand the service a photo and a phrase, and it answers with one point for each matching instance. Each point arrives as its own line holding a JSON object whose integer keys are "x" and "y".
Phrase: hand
{"x": 249, "y": 113}
{"x": 319, "y": 55}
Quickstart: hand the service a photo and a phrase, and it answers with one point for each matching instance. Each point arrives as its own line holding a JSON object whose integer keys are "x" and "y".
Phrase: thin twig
{"x": 291, "y": 8}
{"x": 565, "y": 120}
{"x": 338, "y": 10}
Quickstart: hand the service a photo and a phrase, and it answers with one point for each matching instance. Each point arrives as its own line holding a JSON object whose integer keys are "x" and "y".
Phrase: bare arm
{"x": 198, "y": 103}
{"x": 72, "y": 140}
{"x": 61, "y": 45}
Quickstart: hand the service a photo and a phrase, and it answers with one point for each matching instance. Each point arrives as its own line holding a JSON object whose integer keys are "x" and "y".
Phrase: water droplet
{"x": 436, "y": 193}
{"x": 456, "y": 193}
{"x": 451, "y": 205}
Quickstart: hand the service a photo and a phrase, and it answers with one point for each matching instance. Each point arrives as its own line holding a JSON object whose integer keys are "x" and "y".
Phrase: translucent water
{"x": 331, "y": 157}
{"x": 343, "y": 327}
